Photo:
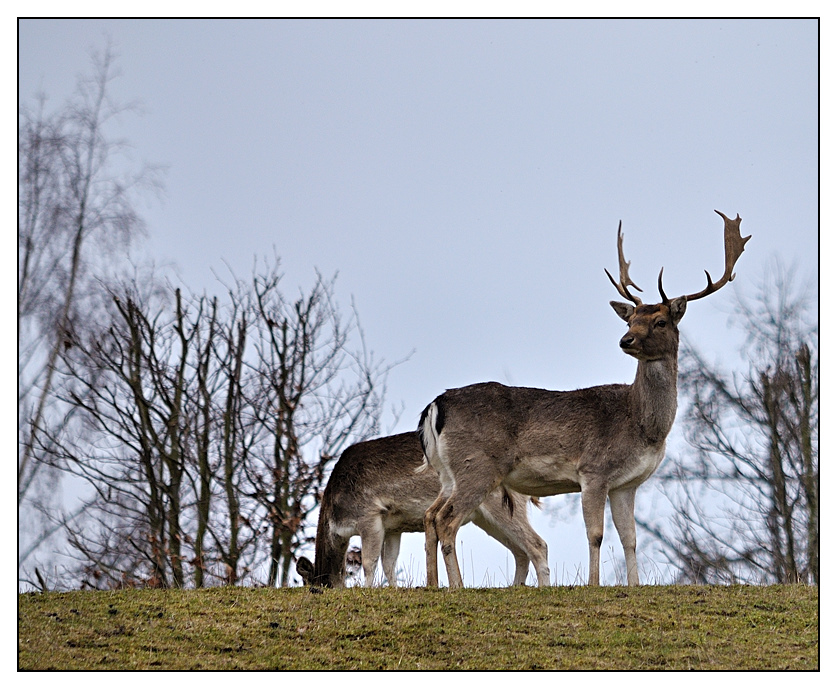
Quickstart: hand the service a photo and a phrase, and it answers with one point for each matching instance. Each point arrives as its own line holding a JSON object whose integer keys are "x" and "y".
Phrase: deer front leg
{"x": 593, "y": 512}
{"x": 622, "y": 512}
{"x": 372, "y": 540}
{"x": 389, "y": 556}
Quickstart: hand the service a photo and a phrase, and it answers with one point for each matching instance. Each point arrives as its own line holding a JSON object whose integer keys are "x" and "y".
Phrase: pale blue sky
{"x": 466, "y": 179}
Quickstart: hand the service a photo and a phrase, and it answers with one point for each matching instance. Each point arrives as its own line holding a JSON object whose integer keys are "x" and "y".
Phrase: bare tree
{"x": 223, "y": 440}
{"x": 126, "y": 384}
{"x": 160, "y": 392}
{"x": 315, "y": 397}
{"x": 746, "y": 498}
{"x": 200, "y": 425}
{"x": 205, "y": 428}
{"x": 70, "y": 195}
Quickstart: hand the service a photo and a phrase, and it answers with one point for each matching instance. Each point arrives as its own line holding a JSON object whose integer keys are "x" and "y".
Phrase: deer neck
{"x": 654, "y": 397}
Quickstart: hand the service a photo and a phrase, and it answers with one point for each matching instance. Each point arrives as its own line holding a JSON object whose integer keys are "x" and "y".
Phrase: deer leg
{"x": 432, "y": 541}
{"x": 465, "y": 499}
{"x": 593, "y": 512}
{"x": 389, "y": 555}
{"x": 516, "y": 534}
{"x": 446, "y": 525}
{"x": 622, "y": 513}
{"x": 493, "y": 518}
{"x": 536, "y": 549}
{"x": 372, "y": 541}
{"x": 533, "y": 544}
{"x": 522, "y": 565}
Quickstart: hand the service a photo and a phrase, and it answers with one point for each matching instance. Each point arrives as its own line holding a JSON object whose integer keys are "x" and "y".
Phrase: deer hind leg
{"x": 389, "y": 556}
{"x": 622, "y": 513}
{"x": 432, "y": 541}
{"x": 537, "y": 552}
{"x": 371, "y": 530}
{"x": 533, "y": 544}
{"x": 465, "y": 499}
{"x": 516, "y": 534}
{"x": 446, "y": 524}
{"x": 494, "y": 519}
{"x": 593, "y": 512}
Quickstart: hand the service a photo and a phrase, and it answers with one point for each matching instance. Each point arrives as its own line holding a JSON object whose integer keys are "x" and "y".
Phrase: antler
{"x": 625, "y": 281}
{"x": 734, "y": 246}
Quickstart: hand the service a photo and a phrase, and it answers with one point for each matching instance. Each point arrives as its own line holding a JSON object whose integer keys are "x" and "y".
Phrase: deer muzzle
{"x": 627, "y": 342}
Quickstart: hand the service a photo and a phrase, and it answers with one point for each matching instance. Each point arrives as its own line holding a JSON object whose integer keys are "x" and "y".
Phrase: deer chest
{"x": 640, "y": 468}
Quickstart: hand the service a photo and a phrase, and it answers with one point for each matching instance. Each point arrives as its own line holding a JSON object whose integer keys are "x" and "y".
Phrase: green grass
{"x": 653, "y": 627}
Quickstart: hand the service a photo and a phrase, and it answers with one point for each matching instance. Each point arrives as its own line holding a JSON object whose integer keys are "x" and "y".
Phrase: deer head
{"x": 653, "y": 328}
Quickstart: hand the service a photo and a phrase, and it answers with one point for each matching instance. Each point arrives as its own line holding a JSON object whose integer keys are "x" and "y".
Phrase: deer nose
{"x": 626, "y": 341}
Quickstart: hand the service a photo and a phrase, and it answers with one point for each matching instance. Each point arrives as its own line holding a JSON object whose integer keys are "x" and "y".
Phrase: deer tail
{"x": 429, "y": 428}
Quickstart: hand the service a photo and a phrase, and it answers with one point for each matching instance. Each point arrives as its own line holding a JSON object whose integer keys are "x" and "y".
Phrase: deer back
{"x": 541, "y": 442}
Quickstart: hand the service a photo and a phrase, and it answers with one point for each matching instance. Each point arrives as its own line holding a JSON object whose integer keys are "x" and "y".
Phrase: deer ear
{"x": 677, "y": 308}
{"x": 305, "y": 569}
{"x": 624, "y": 309}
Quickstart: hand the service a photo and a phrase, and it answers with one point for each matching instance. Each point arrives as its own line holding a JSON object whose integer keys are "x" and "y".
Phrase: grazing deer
{"x": 603, "y": 441}
{"x": 375, "y": 491}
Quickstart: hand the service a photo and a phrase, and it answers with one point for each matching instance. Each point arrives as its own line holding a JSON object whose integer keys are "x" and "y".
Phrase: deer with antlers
{"x": 603, "y": 441}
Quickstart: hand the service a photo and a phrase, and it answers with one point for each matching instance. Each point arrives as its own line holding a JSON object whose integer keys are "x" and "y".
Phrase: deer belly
{"x": 405, "y": 515}
{"x": 543, "y": 476}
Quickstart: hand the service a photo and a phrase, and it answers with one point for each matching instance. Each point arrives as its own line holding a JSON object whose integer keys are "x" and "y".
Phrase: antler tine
{"x": 664, "y": 298}
{"x": 625, "y": 281}
{"x": 734, "y": 246}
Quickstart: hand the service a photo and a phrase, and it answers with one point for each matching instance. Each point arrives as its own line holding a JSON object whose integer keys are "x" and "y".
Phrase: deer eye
{"x": 661, "y": 323}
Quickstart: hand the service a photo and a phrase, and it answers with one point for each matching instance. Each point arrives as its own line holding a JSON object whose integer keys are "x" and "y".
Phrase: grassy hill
{"x": 653, "y": 627}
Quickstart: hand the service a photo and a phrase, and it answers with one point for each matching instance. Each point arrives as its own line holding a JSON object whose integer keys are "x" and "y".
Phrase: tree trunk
{"x": 810, "y": 478}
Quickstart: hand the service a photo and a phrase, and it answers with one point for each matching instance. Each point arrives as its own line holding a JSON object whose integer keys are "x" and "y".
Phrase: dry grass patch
{"x": 686, "y": 627}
